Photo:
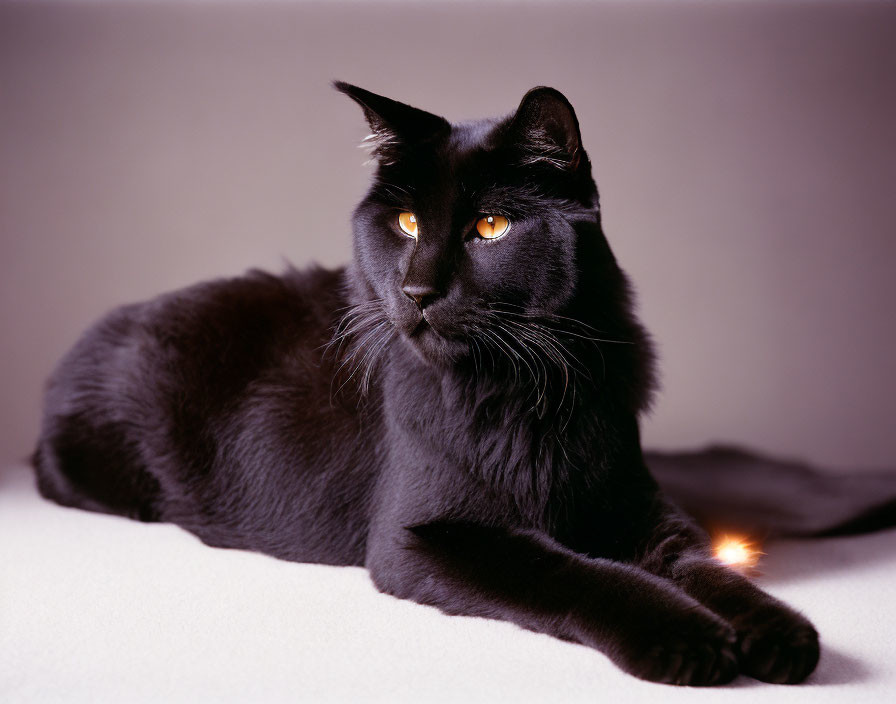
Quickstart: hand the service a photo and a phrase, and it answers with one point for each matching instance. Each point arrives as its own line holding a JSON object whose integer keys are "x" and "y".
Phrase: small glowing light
{"x": 736, "y": 552}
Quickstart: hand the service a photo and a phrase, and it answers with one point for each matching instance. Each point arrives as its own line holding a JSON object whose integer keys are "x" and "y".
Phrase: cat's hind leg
{"x": 94, "y": 467}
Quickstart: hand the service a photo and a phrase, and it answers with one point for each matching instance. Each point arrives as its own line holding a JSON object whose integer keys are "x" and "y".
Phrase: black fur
{"x": 458, "y": 415}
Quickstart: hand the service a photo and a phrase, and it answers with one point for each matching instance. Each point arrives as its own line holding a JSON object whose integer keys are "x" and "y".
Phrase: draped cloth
{"x": 728, "y": 489}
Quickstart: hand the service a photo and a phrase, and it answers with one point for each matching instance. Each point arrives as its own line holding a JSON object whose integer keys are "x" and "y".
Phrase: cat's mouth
{"x": 425, "y": 337}
{"x": 423, "y": 340}
{"x": 431, "y": 345}
{"x": 422, "y": 327}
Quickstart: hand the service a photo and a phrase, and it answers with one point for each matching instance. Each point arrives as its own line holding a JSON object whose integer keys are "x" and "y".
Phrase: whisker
{"x": 548, "y": 346}
{"x": 550, "y": 350}
{"x": 366, "y": 352}
{"x": 378, "y": 347}
{"x": 539, "y": 381}
{"x": 545, "y": 317}
{"x": 358, "y": 340}
{"x": 507, "y": 351}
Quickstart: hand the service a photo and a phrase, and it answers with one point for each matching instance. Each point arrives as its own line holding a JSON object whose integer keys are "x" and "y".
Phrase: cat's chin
{"x": 432, "y": 348}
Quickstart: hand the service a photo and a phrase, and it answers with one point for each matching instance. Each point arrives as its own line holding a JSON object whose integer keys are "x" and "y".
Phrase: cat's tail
{"x": 728, "y": 489}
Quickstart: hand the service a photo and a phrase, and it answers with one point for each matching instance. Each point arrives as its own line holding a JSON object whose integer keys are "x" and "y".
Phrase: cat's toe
{"x": 701, "y": 667}
{"x": 713, "y": 664}
{"x": 696, "y": 657}
{"x": 782, "y": 648}
{"x": 720, "y": 667}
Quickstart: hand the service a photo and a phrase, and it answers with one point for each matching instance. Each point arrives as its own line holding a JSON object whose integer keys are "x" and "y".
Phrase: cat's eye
{"x": 408, "y": 224}
{"x": 491, "y": 227}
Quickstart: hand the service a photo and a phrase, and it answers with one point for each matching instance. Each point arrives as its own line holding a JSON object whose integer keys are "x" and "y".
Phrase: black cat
{"x": 457, "y": 410}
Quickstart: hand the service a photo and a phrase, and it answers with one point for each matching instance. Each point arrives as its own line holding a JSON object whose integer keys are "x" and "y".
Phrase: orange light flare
{"x": 736, "y": 552}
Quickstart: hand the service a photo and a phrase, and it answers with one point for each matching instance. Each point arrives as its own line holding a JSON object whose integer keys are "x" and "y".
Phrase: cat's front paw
{"x": 692, "y": 647}
{"x": 777, "y": 645}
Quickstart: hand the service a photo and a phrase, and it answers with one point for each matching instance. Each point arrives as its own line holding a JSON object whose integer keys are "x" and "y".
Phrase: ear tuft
{"x": 546, "y": 130}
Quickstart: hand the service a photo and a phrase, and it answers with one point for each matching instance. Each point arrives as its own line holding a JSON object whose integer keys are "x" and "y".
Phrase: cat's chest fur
{"x": 473, "y": 442}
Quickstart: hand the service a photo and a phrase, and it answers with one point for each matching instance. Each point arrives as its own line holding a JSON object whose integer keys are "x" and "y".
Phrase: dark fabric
{"x": 731, "y": 489}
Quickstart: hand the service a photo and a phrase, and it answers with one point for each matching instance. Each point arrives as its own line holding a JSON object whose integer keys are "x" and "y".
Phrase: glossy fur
{"x": 458, "y": 415}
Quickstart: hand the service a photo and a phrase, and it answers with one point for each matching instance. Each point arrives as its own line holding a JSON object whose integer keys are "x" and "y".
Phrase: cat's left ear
{"x": 393, "y": 125}
{"x": 546, "y": 131}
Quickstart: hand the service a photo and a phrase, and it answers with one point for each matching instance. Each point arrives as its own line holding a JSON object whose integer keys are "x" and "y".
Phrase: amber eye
{"x": 408, "y": 224}
{"x": 492, "y": 227}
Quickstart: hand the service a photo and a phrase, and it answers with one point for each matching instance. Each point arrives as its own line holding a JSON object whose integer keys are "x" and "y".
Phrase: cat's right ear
{"x": 393, "y": 125}
{"x": 546, "y": 131}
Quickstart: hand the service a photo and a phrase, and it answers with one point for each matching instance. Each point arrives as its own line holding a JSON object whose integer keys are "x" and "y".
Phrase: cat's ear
{"x": 545, "y": 130}
{"x": 393, "y": 125}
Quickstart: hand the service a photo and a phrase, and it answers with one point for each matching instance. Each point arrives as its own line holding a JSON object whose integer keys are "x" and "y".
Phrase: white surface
{"x": 101, "y": 609}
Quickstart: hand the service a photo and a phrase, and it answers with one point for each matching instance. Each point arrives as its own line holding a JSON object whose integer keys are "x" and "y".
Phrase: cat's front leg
{"x": 645, "y": 624}
{"x": 775, "y": 643}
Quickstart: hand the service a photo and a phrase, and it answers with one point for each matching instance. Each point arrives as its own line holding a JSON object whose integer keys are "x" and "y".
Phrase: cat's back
{"x": 203, "y": 345}
{"x": 214, "y": 407}
{"x": 227, "y": 333}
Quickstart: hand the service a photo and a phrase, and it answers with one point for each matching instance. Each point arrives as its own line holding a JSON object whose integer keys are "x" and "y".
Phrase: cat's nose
{"x": 422, "y": 295}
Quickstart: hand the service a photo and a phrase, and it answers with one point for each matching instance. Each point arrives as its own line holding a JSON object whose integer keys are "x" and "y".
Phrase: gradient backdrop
{"x": 745, "y": 152}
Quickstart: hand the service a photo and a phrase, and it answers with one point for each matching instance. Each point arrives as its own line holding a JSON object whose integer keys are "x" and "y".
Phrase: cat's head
{"x": 472, "y": 229}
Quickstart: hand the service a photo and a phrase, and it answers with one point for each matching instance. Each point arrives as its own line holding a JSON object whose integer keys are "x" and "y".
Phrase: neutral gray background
{"x": 745, "y": 152}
